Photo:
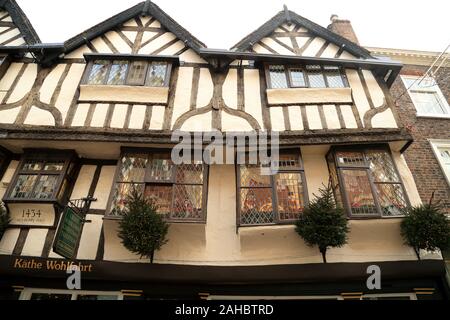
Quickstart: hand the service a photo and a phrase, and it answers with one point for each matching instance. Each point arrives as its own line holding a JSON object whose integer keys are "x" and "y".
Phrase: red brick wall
{"x": 421, "y": 160}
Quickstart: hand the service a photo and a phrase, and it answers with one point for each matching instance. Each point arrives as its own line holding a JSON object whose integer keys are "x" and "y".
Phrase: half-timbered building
{"x": 93, "y": 117}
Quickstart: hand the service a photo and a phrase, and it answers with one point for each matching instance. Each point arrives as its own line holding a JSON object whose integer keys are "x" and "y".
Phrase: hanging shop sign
{"x": 68, "y": 234}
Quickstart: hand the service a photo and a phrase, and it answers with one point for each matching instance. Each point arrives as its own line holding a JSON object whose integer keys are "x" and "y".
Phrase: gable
{"x": 15, "y": 28}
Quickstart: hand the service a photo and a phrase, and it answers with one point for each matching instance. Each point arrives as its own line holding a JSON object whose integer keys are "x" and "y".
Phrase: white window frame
{"x": 436, "y": 89}
{"x": 27, "y": 292}
{"x": 436, "y": 144}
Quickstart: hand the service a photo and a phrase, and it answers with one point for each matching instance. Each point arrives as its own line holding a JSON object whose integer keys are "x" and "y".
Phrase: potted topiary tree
{"x": 4, "y": 220}
{"x": 142, "y": 229}
{"x": 426, "y": 227}
{"x": 323, "y": 223}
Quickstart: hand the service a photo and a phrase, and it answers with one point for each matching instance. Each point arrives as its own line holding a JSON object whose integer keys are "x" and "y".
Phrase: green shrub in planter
{"x": 142, "y": 230}
{"x": 323, "y": 223}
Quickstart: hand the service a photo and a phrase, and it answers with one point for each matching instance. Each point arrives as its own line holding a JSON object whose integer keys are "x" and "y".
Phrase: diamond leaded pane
{"x": 297, "y": 77}
{"x": 161, "y": 196}
{"x": 359, "y": 192}
{"x": 256, "y": 206}
{"x": 382, "y": 167}
{"x": 118, "y": 73}
{"x": 45, "y": 187}
{"x": 161, "y": 168}
{"x": 98, "y": 72}
{"x": 251, "y": 177}
{"x": 350, "y": 158}
{"x": 33, "y": 165}
{"x": 334, "y": 77}
{"x": 289, "y": 195}
{"x": 157, "y": 74}
{"x": 24, "y": 186}
{"x": 315, "y": 77}
{"x": 391, "y": 198}
{"x": 132, "y": 168}
{"x": 190, "y": 173}
{"x": 120, "y": 196}
{"x": 277, "y": 77}
{"x": 187, "y": 204}
{"x": 335, "y": 181}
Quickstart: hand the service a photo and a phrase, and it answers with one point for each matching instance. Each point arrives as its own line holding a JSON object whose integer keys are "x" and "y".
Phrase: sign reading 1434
{"x": 31, "y": 213}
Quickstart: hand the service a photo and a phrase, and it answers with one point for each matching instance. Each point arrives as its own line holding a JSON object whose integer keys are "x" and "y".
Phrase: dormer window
{"x": 309, "y": 76}
{"x": 131, "y": 73}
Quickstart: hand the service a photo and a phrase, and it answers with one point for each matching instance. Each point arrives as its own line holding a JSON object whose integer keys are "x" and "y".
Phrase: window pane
{"x": 359, "y": 193}
{"x": 33, "y": 165}
{"x": 335, "y": 180}
{"x": 315, "y": 77}
{"x": 251, "y": 177}
{"x": 87, "y": 297}
{"x": 381, "y": 166}
{"x": 289, "y": 162}
{"x": 445, "y": 156}
{"x": 349, "y": 158}
{"x": 428, "y": 102}
{"x": 24, "y": 186}
{"x": 297, "y": 77}
{"x": 120, "y": 196}
{"x": 334, "y": 77}
{"x": 391, "y": 199}
{"x": 256, "y": 206}
{"x": 118, "y": 73}
{"x": 50, "y": 296}
{"x": 45, "y": 187}
{"x": 137, "y": 72}
{"x": 98, "y": 72}
{"x": 54, "y": 166}
{"x": 289, "y": 195}
{"x": 190, "y": 173}
{"x": 157, "y": 74}
{"x": 277, "y": 77}
{"x": 187, "y": 202}
{"x": 161, "y": 168}
{"x": 133, "y": 168}
{"x": 161, "y": 197}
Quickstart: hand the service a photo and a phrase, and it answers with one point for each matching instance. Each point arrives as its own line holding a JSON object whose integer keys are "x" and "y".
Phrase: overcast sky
{"x": 413, "y": 24}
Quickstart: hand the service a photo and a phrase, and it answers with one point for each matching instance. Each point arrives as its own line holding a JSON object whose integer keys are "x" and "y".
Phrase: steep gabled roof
{"x": 288, "y": 16}
{"x": 21, "y": 21}
{"x": 142, "y": 8}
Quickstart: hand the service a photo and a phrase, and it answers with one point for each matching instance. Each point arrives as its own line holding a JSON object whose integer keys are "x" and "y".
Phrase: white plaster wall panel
{"x": 259, "y": 49}
{"x": 407, "y": 178}
{"x": 101, "y": 45}
{"x": 331, "y": 116}
{"x": 147, "y": 35}
{"x": 330, "y": 51}
{"x": 9, "y": 115}
{"x": 316, "y": 168}
{"x": 157, "y": 121}
{"x": 8, "y": 35}
{"x": 174, "y": 48}
{"x": 8, "y": 241}
{"x": 119, "y": 115}
{"x": 90, "y": 237}
{"x": 2, "y": 29}
{"x": 103, "y": 188}
{"x": 375, "y": 91}
{"x": 78, "y": 53}
{"x": 137, "y": 117}
{"x": 34, "y": 244}
{"x": 205, "y": 88}
{"x": 69, "y": 88}
{"x": 279, "y": 30}
{"x": 314, "y": 47}
{"x": 229, "y": 91}
{"x": 384, "y": 119}
{"x": 131, "y": 23}
{"x": 155, "y": 24}
{"x": 39, "y": 117}
{"x": 25, "y": 83}
{"x": 349, "y": 117}
{"x": 252, "y": 95}
{"x": 183, "y": 92}
{"x": 301, "y": 41}
{"x": 84, "y": 181}
{"x": 312, "y": 113}
{"x": 157, "y": 43}
{"x": 145, "y": 20}
{"x": 287, "y": 41}
{"x": 275, "y": 46}
{"x": 359, "y": 95}
{"x": 201, "y": 122}
{"x": 346, "y": 55}
{"x": 10, "y": 76}
{"x": 99, "y": 116}
{"x": 191, "y": 56}
{"x": 289, "y": 27}
{"x": 295, "y": 118}
{"x": 131, "y": 35}
{"x": 232, "y": 123}
{"x": 114, "y": 249}
{"x": 80, "y": 115}
{"x": 17, "y": 42}
{"x": 50, "y": 83}
{"x": 277, "y": 118}
{"x": 118, "y": 42}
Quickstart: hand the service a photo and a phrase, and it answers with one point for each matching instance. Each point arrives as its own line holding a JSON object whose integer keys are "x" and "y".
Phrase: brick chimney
{"x": 343, "y": 28}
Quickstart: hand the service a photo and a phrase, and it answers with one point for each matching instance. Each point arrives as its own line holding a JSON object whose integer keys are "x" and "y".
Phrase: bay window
{"x": 366, "y": 182}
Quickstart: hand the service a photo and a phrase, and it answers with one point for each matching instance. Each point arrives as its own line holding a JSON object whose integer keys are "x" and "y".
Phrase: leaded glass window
{"x": 366, "y": 181}
{"x": 275, "y": 198}
{"x": 178, "y": 191}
